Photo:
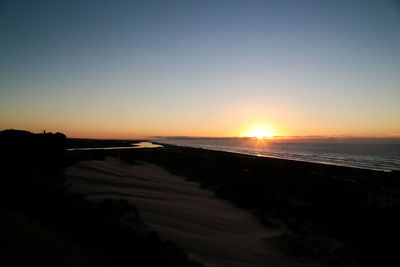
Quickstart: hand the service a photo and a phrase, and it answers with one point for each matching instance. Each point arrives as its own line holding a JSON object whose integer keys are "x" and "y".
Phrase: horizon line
{"x": 279, "y": 137}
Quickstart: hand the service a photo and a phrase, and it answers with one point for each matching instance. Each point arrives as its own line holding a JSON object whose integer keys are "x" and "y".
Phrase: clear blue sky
{"x": 204, "y": 68}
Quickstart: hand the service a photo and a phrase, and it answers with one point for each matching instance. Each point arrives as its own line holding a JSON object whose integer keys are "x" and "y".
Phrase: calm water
{"x": 370, "y": 156}
{"x": 136, "y": 145}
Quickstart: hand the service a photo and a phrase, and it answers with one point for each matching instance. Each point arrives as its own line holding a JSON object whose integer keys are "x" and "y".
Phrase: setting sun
{"x": 260, "y": 132}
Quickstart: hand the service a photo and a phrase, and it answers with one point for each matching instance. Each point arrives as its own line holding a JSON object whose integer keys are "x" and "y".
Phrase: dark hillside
{"x": 36, "y": 207}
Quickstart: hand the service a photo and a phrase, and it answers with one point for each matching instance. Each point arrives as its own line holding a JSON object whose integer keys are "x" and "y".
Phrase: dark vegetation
{"x": 34, "y": 195}
{"x": 336, "y": 215}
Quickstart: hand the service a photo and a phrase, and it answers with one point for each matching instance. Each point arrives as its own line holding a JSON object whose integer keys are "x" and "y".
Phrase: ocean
{"x": 374, "y": 154}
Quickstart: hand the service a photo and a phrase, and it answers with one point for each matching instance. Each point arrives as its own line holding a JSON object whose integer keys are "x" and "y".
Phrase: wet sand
{"x": 209, "y": 229}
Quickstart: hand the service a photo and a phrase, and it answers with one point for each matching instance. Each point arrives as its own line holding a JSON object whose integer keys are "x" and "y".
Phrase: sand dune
{"x": 209, "y": 229}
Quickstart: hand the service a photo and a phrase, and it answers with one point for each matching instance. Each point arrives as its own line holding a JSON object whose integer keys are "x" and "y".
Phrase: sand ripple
{"x": 209, "y": 229}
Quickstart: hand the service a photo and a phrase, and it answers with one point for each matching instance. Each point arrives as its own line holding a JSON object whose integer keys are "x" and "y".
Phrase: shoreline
{"x": 95, "y": 144}
{"x": 330, "y": 210}
{"x": 284, "y": 158}
{"x": 133, "y": 146}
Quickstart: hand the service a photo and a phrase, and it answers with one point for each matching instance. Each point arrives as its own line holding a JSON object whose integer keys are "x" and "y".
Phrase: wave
{"x": 377, "y": 156}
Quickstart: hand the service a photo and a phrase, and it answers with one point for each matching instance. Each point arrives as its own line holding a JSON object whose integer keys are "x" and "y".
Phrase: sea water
{"x": 379, "y": 155}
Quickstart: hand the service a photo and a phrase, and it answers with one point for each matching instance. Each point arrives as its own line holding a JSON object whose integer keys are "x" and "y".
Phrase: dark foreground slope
{"x": 44, "y": 225}
{"x": 335, "y": 215}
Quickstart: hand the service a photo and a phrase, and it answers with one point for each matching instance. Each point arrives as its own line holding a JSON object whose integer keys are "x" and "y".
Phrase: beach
{"x": 170, "y": 205}
{"x": 210, "y": 229}
{"x": 311, "y": 214}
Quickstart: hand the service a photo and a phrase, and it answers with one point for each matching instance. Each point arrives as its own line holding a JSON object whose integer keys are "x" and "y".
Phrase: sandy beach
{"x": 209, "y": 229}
{"x": 305, "y": 222}
{"x": 223, "y": 209}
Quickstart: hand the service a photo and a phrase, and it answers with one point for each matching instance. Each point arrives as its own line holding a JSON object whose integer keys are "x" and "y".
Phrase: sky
{"x": 134, "y": 69}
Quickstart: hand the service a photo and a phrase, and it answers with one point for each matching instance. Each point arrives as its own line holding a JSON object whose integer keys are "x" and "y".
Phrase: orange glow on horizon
{"x": 260, "y": 131}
